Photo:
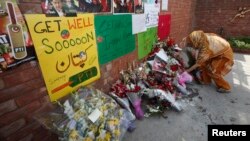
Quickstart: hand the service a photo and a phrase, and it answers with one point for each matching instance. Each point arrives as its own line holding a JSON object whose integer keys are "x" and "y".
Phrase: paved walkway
{"x": 209, "y": 107}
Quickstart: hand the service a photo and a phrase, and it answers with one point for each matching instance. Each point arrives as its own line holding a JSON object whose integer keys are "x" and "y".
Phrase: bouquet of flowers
{"x": 89, "y": 115}
{"x": 163, "y": 96}
{"x": 184, "y": 78}
{"x": 135, "y": 98}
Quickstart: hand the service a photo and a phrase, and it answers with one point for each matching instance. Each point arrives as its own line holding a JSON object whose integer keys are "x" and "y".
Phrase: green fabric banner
{"x": 145, "y": 41}
{"x": 114, "y": 36}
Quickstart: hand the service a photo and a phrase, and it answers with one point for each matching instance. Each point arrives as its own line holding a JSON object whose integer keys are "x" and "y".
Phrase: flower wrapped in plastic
{"x": 119, "y": 89}
{"x": 124, "y": 103}
{"x": 88, "y": 115}
{"x": 184, "y": 78}
{"x": 180, "y": 82}
{"x": 135, "y": 98}
{"x": 163, "y": 96}
{"x": 170, "y": 41}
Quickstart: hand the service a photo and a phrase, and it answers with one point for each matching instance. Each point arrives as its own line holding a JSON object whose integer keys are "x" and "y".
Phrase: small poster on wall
{"x": 123, "y": 6}
{"x": 139, "y": 25}
{"x": 164, "y": 5}
{"x": 139, "y": 6}
{"x": 69, "y": 8}
{"x": 164, "y": 26}
{"x": 151, "y": 13}
{"x": 114, "y": 36}
{"x": 16, "y": 45}
{"x": 152, "y": 1}
{"x": 146, "y": 41}
{"x": 66, "y": 50}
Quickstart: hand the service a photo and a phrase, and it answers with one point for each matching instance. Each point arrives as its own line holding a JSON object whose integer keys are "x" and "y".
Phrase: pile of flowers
{"x": 160, "y": 78}
{"x": 88, "y": 115}
{"x": 149, "y": 87}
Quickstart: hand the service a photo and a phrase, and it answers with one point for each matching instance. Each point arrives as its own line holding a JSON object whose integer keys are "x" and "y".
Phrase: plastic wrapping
{"x": 184, "y": 78}
{"x": 163, "y": 96}
{"x": 88, "y": 115}
{"x": 135, "y": 99}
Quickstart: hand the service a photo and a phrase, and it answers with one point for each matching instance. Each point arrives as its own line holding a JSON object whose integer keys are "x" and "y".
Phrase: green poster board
{"x": 114, "y": 36}
{"x": 145, "y": 41}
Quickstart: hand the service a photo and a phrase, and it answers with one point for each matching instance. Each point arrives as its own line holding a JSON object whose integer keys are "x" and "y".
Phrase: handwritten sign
{"x": 145, "y": 41}
{"x": 151, "y": 13}
{"x": 66, "y": 50}
{"x": 114, "y": 36}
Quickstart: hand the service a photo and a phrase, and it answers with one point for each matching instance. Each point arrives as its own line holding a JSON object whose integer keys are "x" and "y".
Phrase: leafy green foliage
{"x": 240, "y": 42}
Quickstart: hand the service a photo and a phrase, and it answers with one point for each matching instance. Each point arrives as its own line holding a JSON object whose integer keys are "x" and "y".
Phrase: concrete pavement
{"x": 210, "y": 107}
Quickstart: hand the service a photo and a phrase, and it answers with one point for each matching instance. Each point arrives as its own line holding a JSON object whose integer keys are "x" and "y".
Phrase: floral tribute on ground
{"x": 155, "y": 85}
{"x": 88, "y": 115}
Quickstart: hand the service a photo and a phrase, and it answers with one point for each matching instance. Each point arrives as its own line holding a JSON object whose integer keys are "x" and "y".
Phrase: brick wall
{"x": 182, "y": 12}
{"x": 23, "y": 92}
{"x": 214, "y": 16}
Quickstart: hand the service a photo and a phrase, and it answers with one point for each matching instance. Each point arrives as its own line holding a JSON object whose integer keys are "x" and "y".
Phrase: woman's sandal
{"x": 221, "y": 90}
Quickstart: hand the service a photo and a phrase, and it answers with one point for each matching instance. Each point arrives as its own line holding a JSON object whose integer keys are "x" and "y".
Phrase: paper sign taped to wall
{"x": 66, "y": 50}
{"x": 139, "y": 24}
{"x": 114, "y": 36}
{"x": 151, "y": 13}
{"x": 145, "y": 41}
{"x": 164, "y": 26}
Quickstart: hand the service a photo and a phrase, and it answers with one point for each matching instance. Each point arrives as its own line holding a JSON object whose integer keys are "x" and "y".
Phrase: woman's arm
{"x": 192, "y": 68}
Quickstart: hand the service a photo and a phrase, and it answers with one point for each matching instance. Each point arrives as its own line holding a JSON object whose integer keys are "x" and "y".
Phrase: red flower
{"x": 169, "y": 86}
{"x": 170, "y": 42}
{"x": 153, "y": 52}
{"x": 119, "y": 89}
{"x": 174, "y": 67}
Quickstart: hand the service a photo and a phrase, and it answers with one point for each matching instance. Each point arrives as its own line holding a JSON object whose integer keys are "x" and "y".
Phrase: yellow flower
{"x": 74, "y": 136}
{"x": 116, "y": 121}
{"x": 108, "y": 136}
{"x": 88, "y": 139}
{"x": 117, "y": 133}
